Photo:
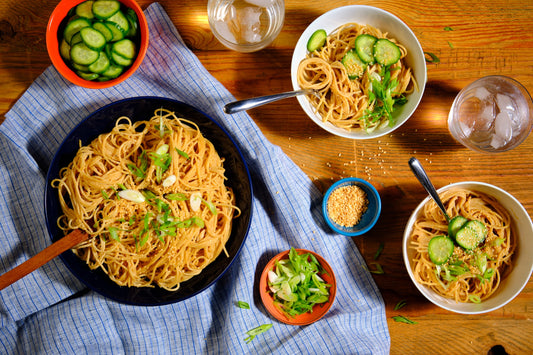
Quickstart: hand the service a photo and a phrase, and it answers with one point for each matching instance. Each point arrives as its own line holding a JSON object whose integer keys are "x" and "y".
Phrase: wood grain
{"x": 488, "y": 37}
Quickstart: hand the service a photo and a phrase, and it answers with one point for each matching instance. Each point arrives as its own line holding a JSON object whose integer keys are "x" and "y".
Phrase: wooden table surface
{"x": 488, "y": 37}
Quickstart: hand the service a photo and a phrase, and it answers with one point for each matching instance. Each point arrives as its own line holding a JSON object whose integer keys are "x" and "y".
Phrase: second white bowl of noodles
{"x": 522, "y": 266}
{"x": 384, "y": 21}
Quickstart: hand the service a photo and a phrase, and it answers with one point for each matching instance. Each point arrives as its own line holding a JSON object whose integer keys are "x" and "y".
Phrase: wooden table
{"x": 488, "y": 37}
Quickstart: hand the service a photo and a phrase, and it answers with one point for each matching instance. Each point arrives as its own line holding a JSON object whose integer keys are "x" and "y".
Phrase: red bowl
{"x": 319, "y": 310}
{"x": 52, "y": 45}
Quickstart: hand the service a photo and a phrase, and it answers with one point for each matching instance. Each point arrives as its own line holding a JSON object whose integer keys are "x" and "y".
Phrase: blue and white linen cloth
{"x": 51, "y": 312}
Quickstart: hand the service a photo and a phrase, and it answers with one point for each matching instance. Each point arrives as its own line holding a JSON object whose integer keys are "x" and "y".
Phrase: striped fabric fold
{"x": 51, "y": 312}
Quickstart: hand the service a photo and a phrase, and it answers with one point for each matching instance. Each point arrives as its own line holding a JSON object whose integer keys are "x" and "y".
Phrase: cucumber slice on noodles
{"x": 364, "y": 46}
{"x": 471, "y": 234}
{"x": 455, "y": 224}
{"x": 317, "y": 40}
{"x": 440, "y": 249}
{"x": 355, "y": 67}
{"x": 386, "y": 52}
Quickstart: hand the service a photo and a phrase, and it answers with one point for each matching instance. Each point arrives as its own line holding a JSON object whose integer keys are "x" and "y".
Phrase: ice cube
{"x": 223, "y": 29}
{"x": 503, "y": 126}
{"x": 260, "y": 3}
{"x": 482, "y": 93}
{"x": 504, "y": 102}
{"x": 497, "y": 142}
{"x": 486, "y": 117}
{"x": 465, "y": 128}
{"x": 250, "y": 24}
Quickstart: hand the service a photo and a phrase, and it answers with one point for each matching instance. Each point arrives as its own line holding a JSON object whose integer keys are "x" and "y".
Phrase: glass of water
{"x": 493, "y": 114}
{"x": 246, "y": 25}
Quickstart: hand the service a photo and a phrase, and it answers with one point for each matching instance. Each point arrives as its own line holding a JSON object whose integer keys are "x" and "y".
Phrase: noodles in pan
{"x": 469, "y": 275}
{"x": 152, "y": 197}
{"x": 351, "y": 103}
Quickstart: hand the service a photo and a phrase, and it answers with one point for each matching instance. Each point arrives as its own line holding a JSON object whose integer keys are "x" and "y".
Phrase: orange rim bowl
{"x": 319, "y": 310}
{"x": 52, "y": 45}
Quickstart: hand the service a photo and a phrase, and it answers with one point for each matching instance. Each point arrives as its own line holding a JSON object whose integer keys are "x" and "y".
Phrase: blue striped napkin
{"x": 50, "y": 312}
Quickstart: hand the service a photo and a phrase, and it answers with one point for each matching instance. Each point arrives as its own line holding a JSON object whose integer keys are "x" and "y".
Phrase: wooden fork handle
{"x": 67, "y": 242}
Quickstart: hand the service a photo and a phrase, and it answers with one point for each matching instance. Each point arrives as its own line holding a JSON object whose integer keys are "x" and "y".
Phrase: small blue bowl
{"x": 369, "y": 218}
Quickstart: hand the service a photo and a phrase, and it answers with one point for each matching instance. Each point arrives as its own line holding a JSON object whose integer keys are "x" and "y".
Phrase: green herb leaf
{"x": 400, "y": 305}
{"x": 474, "y": 298}
{"x": 242, "y": 304}
{"x": 450, "y": 44}
{"x": 252, "y": 333}
{"x": 433, "y": 58}
{"x": 378, "y": 252}
{"x": 448, "y": 28}
{"x": 105, "y": 195}
{"x": 176, "y": 197}
{"x": 113, "y": 233}
{"x": 182, "y": 153}
{"x": 403, "y": 319}
{"x": 379, "y": 269}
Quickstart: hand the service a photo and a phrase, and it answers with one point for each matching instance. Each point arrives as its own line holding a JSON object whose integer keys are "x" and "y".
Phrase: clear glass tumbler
{"x": 246, "y": 25}
{"x": 493, "y": 114}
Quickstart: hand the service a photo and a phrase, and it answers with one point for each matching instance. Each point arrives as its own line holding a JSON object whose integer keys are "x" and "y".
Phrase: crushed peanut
{"x": 346, "y": 205}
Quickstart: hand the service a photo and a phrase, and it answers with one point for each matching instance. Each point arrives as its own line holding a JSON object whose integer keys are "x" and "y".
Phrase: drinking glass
{"x": 246, "y": 25}
{"x": 493, "y": 114}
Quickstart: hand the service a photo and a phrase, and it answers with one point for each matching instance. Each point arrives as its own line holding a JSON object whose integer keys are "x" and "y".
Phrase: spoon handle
{"x": 422, "y": 176}
{"x": 67, "y": 242}
{"x": 246, "y": 104}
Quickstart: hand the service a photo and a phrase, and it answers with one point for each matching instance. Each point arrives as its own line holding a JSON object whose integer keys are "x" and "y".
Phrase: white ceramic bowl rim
{"x": 513, "y": 283}
{"x": 386, "y": 22}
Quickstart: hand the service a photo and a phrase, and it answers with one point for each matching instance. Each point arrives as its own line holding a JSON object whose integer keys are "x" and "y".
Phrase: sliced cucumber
{"x": 120, "y": 60}
{"x": 85, "y": 9}
{"x": 125, "y": 48}
{"x": 364, "y": 46}
{"x": 113, "y": 71}
{"x": 101, "y": 64}
{"x": 64, "y": 49}
{"x": 92, "y": 38}
{"x": 81, "y": 54}
{"x": 88, "y": 76}
{"x": 117, "y": 32}
{"x": 103, "y": 29}
{"x": 121, "y": 21}
{"x": 317, "y": 40}
{"x": 386, "y": 52}
{"x": 471, "y": 234}
{"x": 440, "y": 249}
{"x": 76, "y": 39}
{"x": 104, "y": 9}
{"x": 98, "y": 39}
{"x": 455, "y": 224}
{"x": 74, "y": 27}
{"x": 133, "y": 22}
{"x": 355, "y": 67}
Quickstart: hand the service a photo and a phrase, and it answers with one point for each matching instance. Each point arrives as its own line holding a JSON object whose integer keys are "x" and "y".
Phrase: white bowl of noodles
{"x": 389, "y": 26}
{"x": 514, "y": 276}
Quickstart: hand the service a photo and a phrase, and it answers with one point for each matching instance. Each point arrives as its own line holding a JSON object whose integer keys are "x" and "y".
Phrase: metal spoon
{"x": 421, "y": 175}
{"x": 246, "y": 104}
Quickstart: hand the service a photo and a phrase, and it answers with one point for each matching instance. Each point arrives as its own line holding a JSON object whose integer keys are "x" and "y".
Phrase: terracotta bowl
{"x": 319, "y": 310}
{"x": 53, "y": 39}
